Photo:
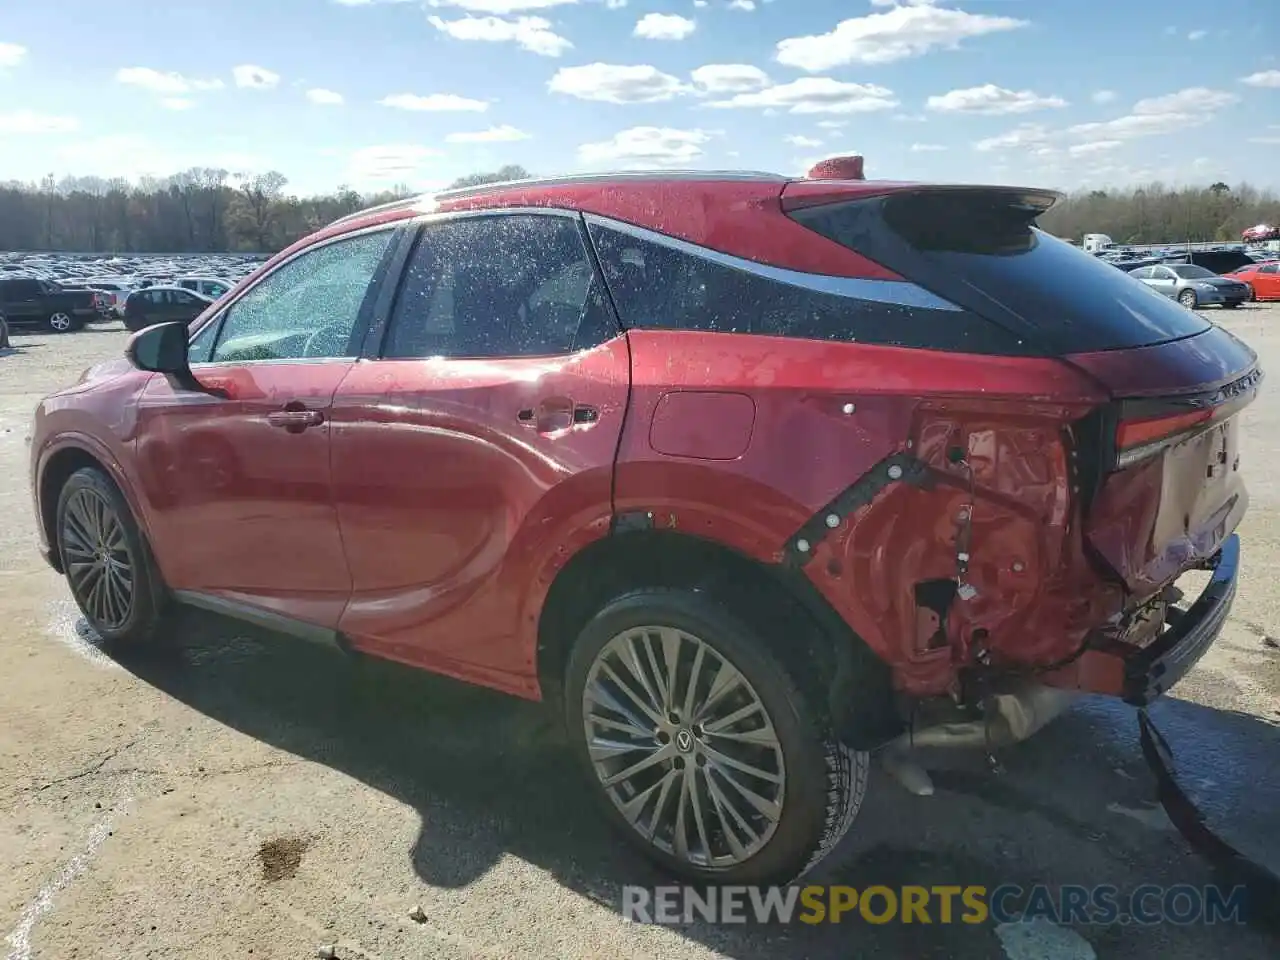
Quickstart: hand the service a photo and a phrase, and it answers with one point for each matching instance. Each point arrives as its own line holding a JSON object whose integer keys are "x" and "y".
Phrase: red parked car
{"x": 1263, "y": 279}
{"x": 742, "y": 473}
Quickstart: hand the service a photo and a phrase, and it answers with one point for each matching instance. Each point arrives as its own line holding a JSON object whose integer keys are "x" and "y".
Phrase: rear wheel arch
{"x": 833, "y": 667}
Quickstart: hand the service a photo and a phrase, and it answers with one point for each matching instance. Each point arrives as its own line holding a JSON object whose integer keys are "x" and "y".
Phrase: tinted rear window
{"x": 982, "y": 250}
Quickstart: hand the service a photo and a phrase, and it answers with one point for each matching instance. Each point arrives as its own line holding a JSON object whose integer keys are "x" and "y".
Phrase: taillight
{"x": 1137, "y": 440}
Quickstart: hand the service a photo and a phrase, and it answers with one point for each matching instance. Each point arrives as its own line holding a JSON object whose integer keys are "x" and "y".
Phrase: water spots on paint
{"x": 1042, "y": 939}
{"x": 1152, "y": 817}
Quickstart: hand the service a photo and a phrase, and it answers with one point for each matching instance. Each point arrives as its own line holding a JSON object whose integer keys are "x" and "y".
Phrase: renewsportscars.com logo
{"x": 1102, "y": 905}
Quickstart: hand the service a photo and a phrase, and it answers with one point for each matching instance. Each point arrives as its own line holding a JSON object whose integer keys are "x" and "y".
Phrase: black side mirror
{"x": 162, "y": 348}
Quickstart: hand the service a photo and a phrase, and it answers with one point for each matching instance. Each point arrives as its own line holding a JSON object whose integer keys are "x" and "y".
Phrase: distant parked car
{"x": 1193, "y": 286}
{"x": 211, "y": 287}
{"x": 161, "y": 305}
{"x": 114, "y": 293}
{"x": 1263, "y": 280}
{"x": 1263, "y": 231}
{"x": 27, "y": 301}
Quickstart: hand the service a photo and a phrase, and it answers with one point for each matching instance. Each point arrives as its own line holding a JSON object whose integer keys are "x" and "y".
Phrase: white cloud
{"x": 927, "y": 148}
{"x": 910, "y": 118}
{"x": 663, "y": 26}
{"x": 896, "y": 34}
{"x": 177, "y": 103}
{"x": 530, "y": 33}
{"x": 252, "y": 77}
{"x": 1094, "y": 147}
{"x": 797, "y": 140}
{"x": 1263, "y": 78}
{"x": 1027, "y": 135}
{"x": 502, "y": 134}
{"x": 646, "y": 147}
{"x": 744, "y": 5}
{"x": 11, "y": 54}
{"x": 616, "y": 83}
{"x": 1197, "y": 34}
{"x": 1155, "y": 116}
{"x": 1272, "y": 141}
{"x": 323, "y": 97}
{"x": 22, "y": 122}
{"x": 384, "y": 165}
{"x": 696, "y": 3}
{"x": 729, "y": 77}
{"x": 833, "y": 124}
{"x": 433, "y": 102}
{"x": 1185, "y": 101}
{"x": 816, "y": 95}
{"x": 992, "y": 100}
{"x": 1103, "y": 96}
{"x": 171, "y": 84}
{"x": 502, "y": 7}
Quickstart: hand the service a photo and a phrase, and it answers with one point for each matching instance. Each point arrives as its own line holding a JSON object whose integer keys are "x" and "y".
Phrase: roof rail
{"x": 565, "y": 180}
{"x": 402, "y": 204}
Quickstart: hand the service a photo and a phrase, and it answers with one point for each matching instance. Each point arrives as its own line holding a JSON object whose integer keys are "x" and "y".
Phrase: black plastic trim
{"x": 259, "y": 617}
{"x": 1153, "y": 670}
{"x": 858, "y": 494}
{"x": 632, "y": 521}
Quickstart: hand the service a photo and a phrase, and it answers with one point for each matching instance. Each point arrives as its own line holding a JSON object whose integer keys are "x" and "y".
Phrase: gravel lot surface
{"x": 243, "y": 795}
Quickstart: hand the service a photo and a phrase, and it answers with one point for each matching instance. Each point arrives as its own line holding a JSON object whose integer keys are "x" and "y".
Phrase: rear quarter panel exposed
{"x": 827, "y": 413}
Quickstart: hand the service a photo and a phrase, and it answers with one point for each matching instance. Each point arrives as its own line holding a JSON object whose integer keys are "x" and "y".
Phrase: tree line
{"x": 201, "y": 210}
{"x": 1156, "y": 213}
{"x": 206, "y": 210}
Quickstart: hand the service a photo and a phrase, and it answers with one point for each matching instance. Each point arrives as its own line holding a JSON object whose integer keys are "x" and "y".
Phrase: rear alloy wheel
{"x": 108, "y": 564}
{"x": 706, "y": 754}
{"x": 1188, "y": 299}
{"x": 60, "y": 322}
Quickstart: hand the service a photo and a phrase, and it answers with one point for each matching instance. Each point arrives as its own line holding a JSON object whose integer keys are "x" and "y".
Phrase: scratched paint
{"x": 19, "y": 940}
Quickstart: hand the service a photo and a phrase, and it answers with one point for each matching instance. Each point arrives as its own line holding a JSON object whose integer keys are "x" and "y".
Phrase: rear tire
{"x": 1188, "y": 299}
{"x": 61, "y": 322}
{"x": 108, "y": 562}
{"x": 691, "y": 807}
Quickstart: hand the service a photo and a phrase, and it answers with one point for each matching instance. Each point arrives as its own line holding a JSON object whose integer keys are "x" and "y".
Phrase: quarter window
{"x": 655, "y": 285}
{"x": 306, "y": 309}
{"x": 512, "y": 285}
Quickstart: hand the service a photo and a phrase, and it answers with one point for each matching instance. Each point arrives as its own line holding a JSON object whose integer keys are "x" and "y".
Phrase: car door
{"x": 476, "y": 444}
{"x": 236, "y": 476}
{"x": 186, "y": 305}
{"x": 1266, "y": 285}
{"x": 1164, "y": 280}
{"x": 21, "y": 300}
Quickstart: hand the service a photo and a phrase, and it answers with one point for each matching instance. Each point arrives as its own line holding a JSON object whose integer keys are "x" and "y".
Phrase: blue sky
{"x": 1062, "y": 93}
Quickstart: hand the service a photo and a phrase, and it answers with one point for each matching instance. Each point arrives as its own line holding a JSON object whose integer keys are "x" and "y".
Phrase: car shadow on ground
{"x": 490, "y": 775}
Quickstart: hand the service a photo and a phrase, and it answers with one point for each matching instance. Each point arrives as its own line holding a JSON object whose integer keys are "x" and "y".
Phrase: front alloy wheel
{"x": 98, "y": 562}
{"x": 683, "y": 746}
{"x": 1188, "y": 299}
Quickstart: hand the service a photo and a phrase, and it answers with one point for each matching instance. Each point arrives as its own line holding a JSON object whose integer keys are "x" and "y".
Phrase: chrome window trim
{"x": 897, "y": 292}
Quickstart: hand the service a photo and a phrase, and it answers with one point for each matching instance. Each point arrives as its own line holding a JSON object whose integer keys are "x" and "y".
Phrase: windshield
{"x": 1192, "y": 272}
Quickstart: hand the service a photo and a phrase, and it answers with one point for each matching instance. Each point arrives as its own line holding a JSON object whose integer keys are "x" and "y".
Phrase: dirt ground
{"x": 242, "y": 795}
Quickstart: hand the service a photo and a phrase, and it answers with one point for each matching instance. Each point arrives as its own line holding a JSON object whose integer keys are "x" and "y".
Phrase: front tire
{"x": 1188, "y": 299}
{"x": 701, "y": 744}
{"x": 108, "y": 563}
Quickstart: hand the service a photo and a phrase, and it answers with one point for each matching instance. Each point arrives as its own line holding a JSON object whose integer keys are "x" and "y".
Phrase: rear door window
{"x": 510, "y": 285}
{"x": 980, "y": 248}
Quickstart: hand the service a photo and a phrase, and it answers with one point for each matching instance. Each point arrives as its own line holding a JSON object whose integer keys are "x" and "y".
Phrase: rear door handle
{"x": 557, "y": 413}
{"x": 295, "y": 418}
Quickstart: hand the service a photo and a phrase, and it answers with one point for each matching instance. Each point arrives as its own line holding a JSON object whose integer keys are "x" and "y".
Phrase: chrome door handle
{"x": 295, "y": 421}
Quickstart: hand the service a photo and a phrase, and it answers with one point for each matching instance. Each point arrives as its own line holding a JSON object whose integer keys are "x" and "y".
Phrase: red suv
{"x": 746, "y": 475}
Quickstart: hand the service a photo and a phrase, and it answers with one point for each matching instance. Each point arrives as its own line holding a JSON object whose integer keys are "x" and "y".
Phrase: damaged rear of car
{"x": 1065, "y": 513}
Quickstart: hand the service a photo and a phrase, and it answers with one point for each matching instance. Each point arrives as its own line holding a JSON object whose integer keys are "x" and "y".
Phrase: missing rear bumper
{"x": 1140, "y": 677}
